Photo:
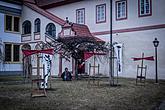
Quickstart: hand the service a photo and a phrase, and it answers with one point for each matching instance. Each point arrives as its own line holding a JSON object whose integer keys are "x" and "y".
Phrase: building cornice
{"x": 10, "y": 10}
{"x": 55, "y": 3}
{"x": 18, "y": 2}
{"x": 143, "y": 28}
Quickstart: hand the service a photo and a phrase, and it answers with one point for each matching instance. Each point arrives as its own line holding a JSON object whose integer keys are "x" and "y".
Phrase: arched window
{"x": 51, "y": 30}
{"x": 37, "y": 25}
{"x": 26, "y": 27}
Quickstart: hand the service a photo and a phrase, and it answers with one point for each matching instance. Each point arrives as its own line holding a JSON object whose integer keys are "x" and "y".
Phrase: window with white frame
{"x": 12, "y": 23}
{"x": 51, "y": 30}
{"x": 80, "y": 16}
{"x": 101, "y": 13}
{"x": 121, "y": 9}
{"x": 37, "y": 24}
{"x": 12, "y": 53}
{"x": 145, "y": 7}
{"x": 26, "y": 27}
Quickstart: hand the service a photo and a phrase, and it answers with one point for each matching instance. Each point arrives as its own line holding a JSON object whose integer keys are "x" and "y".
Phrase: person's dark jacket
{"x": 66, "y": 76}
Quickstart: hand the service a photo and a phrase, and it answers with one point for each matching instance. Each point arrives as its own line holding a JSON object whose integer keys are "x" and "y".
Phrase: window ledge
{"x": 36, "y": 33}
{"x": 7, "y": 62}
{"x": 145, "y": 15}
{"x": 13, "y": 32}
{"x": 98, "y": 22}
{"x": 26, "y": 34}
{"x": 53, "y": 37}
{"x": 124, "y": 18}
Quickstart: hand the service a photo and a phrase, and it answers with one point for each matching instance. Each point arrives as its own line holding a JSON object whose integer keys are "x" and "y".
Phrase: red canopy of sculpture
{"x": 90, "y": 54}
{"x": 151, "y": 58}
{"x": 31, "y": 52}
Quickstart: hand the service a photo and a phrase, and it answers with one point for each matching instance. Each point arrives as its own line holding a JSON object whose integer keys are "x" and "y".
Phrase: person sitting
{"x": 66, "y": 75}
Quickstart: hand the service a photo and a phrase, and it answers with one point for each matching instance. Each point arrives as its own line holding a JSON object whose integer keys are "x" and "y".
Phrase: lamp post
{"x": 156, "y": 43}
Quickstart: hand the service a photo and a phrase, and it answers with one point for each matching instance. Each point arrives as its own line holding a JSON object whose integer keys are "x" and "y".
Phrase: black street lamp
{"x": 156, "y": 43}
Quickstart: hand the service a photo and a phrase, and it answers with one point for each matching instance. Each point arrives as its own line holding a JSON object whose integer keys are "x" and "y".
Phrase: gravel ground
{"x": 79, "y": 95}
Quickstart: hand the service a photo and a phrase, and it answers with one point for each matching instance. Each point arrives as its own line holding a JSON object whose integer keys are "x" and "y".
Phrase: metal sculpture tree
{"x": 76, "y": 46}
{"x": 78, "y": 40}
{"x": 75, "y": 39}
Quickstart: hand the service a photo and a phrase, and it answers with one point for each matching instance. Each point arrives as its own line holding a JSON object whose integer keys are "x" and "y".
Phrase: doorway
{"x": 81, "y": 64}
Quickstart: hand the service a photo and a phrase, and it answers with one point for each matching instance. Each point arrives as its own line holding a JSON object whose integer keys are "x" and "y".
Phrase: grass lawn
{"x": 79, "y": 95}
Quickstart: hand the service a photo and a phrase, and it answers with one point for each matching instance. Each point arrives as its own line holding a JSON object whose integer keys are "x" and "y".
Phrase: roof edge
{"x": 60, "y": 3}
{"x": 45, "y": 13}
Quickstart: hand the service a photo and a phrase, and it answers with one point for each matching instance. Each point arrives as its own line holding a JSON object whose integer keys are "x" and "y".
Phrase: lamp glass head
{"x": 156, "y": 42}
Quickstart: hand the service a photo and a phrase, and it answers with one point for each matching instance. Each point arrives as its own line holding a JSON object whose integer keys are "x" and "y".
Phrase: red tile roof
{"x": 46, "y": 4}
{"x": 83, "y": 31}
{"x": 30, "y": 1}
{"x": 42, "y": 3}
{"x": 45, "y": 13}
{"x": 80, "y": 30}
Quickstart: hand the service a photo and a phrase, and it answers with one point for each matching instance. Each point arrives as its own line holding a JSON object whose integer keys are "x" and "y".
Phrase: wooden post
{"x": 98, "y": 79}
{"x": 60, "y": 65}
{"x": 94, "y": 65}
{"x": 89, "y": 73}
{"x": 89, "y": 69}
{"x": 98, "y": 68}
{"x": 113, "y": 80}
{"x": 23, "y": 63}
{"x": 142, "y": 66}
{"x": 38, "y": 66}
{"x": 73, "y": 68}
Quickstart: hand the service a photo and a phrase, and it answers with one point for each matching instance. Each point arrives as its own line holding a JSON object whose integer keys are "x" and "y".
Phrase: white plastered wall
{"x": 29, "y": 14}
{"x": 134, "y": 44}
{"x": 133, "y": 20}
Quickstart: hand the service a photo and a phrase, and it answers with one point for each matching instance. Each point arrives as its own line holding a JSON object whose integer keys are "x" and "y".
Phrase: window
{"x": 80, "y": 16}
{"x": 51, "y": 30}
{"x": 16, "y": 24}
{"x": 12, "y": 23}
{"x": 101, "y": 13}
{"x": 8, "y": 52}
{"x": 121, "y": 10}
{"x": 16, "y": 53}
{"x": 8, "y": 23}
{"x": 37, "y": 25}
{"x": 12, "y": 53}
{"x": 144, "y": 8}
{"x": 26, "y": 27}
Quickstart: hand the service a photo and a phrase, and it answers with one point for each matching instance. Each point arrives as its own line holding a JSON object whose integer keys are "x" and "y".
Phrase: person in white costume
{"x": 47, "y": 70}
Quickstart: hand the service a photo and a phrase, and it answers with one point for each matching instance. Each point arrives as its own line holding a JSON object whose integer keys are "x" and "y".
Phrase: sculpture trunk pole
{"x": 110, "y": 54}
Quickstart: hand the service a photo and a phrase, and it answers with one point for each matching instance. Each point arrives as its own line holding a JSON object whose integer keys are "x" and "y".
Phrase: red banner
{"x": 90, "y": 54}
{"x": 31, "y": 52}
{"x": 145, "y": 58}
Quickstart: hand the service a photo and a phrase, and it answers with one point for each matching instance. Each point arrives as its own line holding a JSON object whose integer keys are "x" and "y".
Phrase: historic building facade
{"x": 10, "y": 32}
{"x": 135, "y": 24}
